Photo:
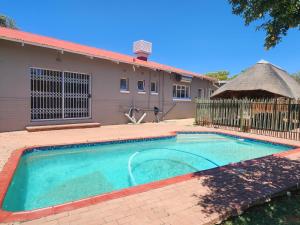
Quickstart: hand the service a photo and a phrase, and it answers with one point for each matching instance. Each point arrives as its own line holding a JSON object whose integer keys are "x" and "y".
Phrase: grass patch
{"x": 281, "y": 210}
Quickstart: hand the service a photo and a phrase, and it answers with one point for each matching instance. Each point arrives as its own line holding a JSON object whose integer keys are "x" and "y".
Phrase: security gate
{"x": 59, "y": 94}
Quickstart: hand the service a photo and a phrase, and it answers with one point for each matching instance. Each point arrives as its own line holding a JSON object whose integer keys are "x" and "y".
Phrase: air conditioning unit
{"x": 182, "y": 78}
{"x": 178, "y": 77}
{"x": 186, "y": 79}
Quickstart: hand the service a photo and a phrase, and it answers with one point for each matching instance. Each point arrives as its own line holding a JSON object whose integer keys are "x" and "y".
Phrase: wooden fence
{"x": 273, "y": 117}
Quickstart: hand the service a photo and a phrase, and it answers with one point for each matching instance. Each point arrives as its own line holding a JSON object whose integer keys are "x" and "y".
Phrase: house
{"x": 46, "y": 81}
{"x": 263, "y": 80}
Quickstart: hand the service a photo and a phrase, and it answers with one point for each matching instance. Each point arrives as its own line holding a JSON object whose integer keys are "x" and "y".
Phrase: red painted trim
{"x": 9, "y": 168}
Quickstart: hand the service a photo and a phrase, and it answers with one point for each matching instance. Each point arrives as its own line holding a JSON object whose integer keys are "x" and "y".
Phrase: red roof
{"x": 47, "y": 42}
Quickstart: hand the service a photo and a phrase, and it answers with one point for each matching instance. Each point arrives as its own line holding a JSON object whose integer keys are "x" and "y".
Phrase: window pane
{"x": 182, "y": 95}
{"x": 123, "y": 84}
{"x": 153, "y": 87}
{"x": 178, "y": 90}
{"x": 140, "y": 85}
{"x": 187, "y": 92}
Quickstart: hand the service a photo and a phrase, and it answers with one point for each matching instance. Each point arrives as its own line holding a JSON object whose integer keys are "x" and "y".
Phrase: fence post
{"x": 241, "y": 116}
{"x": 289, "y": 115}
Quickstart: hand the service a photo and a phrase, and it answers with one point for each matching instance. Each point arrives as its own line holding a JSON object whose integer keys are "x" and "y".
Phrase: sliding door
{"x": 59, "y": 95}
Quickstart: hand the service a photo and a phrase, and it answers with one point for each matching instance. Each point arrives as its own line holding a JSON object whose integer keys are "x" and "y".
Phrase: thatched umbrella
{"x": 263, "y": 80}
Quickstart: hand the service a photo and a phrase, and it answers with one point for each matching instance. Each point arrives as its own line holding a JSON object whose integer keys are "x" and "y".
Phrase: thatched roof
{"x": 261, "y": 80}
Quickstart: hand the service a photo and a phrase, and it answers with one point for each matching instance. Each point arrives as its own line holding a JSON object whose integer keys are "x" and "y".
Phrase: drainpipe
{"x": 149, "y": 90}
{"x": 163, "y": 92}
{"x": 133, "y": 92}
{"x": 159, "y": 90}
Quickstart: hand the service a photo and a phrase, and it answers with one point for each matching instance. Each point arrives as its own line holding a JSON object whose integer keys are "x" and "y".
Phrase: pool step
{"x": 61, "y": 127}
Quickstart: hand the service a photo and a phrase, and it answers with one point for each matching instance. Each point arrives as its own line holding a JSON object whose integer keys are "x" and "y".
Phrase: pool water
{"x": 48, "y": 177}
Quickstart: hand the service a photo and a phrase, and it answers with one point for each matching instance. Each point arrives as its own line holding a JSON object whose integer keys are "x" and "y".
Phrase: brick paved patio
{"x": 205, "y": 199}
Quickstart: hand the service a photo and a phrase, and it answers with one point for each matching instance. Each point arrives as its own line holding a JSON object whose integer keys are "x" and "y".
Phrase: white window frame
{"x": 126, "y": 90}
{"x": 141, "y": 91}
{"x": 61, "y": 96}
{"x": 180, "y": 87}
{"x": 155, "y": 92}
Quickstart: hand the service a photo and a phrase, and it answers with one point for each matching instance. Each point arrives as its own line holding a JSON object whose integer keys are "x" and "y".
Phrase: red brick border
{"x": 7, "y": 173}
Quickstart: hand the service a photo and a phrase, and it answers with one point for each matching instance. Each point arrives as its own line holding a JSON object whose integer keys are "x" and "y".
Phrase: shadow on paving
{"x": 283, "y": 210}
{"x": 247, "y": 183}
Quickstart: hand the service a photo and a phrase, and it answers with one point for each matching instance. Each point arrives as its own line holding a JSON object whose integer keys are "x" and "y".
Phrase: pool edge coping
{"x": 10, "y": 167}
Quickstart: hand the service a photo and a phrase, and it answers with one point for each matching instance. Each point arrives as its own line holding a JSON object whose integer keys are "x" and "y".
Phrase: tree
{"x": 296, "y": 76}
{"x": 277, "y": 16}
{"x": 234, "y": 76}
{"x": 219, "y": 75}
{"x": 7, "y": 22}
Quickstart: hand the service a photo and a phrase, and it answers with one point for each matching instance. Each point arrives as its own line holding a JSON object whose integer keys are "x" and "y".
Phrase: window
{"x": 59, "y": 95}
{"x": 141, "y": 86}
{"x": 200, "y": 93}
{"x": 181, "y": 91}
{"x": 153, "y": 88}
{"x": 124, "y": 84}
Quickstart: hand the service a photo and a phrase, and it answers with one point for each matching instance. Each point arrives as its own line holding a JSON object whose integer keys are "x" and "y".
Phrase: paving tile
{"x": 57, "y": 216}
{"x": 202, "y": 200}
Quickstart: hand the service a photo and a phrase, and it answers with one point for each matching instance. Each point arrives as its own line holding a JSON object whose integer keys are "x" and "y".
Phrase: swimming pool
{"x": 54, "y": 175}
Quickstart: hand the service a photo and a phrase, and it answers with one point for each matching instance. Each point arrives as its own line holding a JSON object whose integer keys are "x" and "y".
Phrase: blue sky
{"x": 201, "y": 36}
